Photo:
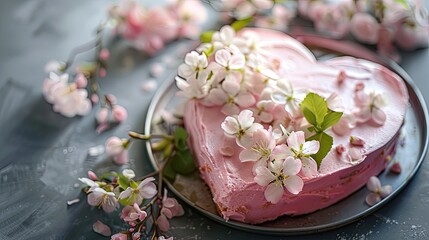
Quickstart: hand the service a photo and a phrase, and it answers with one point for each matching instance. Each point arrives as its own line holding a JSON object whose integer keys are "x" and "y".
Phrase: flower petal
{"x": 310, "y": 147}
{"x": 291, "y": 166}
{"x": 385, "y": 191}
{"x": 263, "y": 176}
{"x": 309, "y": 167}
{"x": 249, "y": 155}
{"x": 101, "y": 228}
{"x": 282, "y": 152}
{"x": 230, "y": 125}
{"x": 378, "y": 116}
{"x": 293, "y": 184}
{"x": 245, "y": 99}
{"x": 245, "y": 118}
{"x": 222, "y": 57}
{"x": 295, "y": 139}
{"x": 230, "y": 109}
{"x": 274, "y": 192}
{"x": 372, "y": 198}
{"x": 373, "y": 184}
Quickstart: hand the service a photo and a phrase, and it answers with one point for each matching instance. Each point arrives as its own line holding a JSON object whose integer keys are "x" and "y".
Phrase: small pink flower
{"x": 370, "y": 106}
{"x": 107, "y": 200}
{"x": 278, "y": 20}
{"x": 378, "y": 192}
{"x": 263, "y": 144}
{"x": 365, "y": 28}
{"x": 119, "y": 113}
{"x": 119, "y": 236}
{"x": 278, "y": 175}
{"x": 104, "y": 54}
{"x": 117, "y": 148}
{"x": 241, "y": 127}
{"x": 145, "y": 190}
{"x": 133, "y": 213}
{"x": 303, "y": 150}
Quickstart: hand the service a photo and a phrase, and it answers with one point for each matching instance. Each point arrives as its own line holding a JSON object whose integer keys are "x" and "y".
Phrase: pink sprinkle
{"x": 102, "y": 72}
{"x": 396, "y": 168}
{"x": 104, "y": 54}
{"x": 92, "y": 175}
{"x": 74, "y": 201}
{"x": 156, "y": 70}
{"x": 341, "y": 77}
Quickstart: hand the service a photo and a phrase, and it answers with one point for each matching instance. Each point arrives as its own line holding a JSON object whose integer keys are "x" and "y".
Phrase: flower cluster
{"x": 382, "y": 22}
{"x": 150, "y": 29}
{"x": 145, "y": 210}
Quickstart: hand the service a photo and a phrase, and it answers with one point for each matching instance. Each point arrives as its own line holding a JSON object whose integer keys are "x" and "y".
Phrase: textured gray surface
{"x": 42, "y": 153}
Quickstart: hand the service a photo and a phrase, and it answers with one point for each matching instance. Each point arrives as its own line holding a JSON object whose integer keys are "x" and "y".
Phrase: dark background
{"x": 42, "y": 153}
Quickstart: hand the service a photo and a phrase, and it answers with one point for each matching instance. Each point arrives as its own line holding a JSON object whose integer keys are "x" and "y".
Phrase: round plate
{"x": 410, "y": 154}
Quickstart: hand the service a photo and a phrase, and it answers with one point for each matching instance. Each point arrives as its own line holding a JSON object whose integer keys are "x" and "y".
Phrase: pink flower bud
{"x": 111, "y": 98}
{"x": 92, "y": 176}
{"x": 95, "y": 98}
{"x": 341, "y": 149}
{"x": 357, "y": 141}
{"x": 119, "y": 113}
{"x": 102, "y": 115}
{"x": 102, "y": 72}
{"x": 104, "y": 54}
{"x": 81, "y": 81}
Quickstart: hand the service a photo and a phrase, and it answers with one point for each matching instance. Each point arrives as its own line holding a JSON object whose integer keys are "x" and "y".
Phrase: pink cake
{"x": 372, "y": 99}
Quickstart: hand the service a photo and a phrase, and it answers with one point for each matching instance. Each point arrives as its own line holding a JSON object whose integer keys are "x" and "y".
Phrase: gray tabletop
{"x": 42, "y": 153}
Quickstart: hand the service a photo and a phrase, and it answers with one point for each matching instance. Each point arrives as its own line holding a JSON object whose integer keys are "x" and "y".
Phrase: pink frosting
{"x": 232, "y": 183}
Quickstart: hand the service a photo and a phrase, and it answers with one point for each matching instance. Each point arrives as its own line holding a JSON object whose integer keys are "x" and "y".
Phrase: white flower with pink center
{"x": 285, "y": 94}
{"x": 263, "y": 144}
{"x": 101, "y": 198}
{"x": 378, "y": 192}
{"x": 224, "y": 37}
{"x": 278, "y": 175}
{"x": 194, "y": 87}
{"x": 194, "y": 63}
{"x": 370, "y": 106}
{"x": 303, "y": 150}
{"x": 231, "y": 62}
{"x": 241, "y": 127}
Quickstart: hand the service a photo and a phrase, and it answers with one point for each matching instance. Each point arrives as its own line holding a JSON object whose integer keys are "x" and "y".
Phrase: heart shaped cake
{"x": 275, "y": 132}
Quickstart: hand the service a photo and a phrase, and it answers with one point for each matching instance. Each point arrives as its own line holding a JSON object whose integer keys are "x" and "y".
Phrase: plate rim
{"x": 421, "y": 103}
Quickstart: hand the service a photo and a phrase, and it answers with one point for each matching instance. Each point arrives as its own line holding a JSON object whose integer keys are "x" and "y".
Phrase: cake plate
{"x": 410, "y": 154}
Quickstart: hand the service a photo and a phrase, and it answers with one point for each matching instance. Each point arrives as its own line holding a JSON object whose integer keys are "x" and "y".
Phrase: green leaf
{"x": 126, "y": 201}
{"x": 317, "y": 105}
{"x": 133, "y": 184}
{"x": 123, "y": 182}
{"x": 206, "y": 37}
{"x": 169, "y": 172}
{"x": 240, "y": 24}
{"x": 180, "y": 136}
{"x": 309, "y": 115}
{"x": 183, "y": 162}
{"x": 331, "y": 119}
{"x": 326, "y": 142}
